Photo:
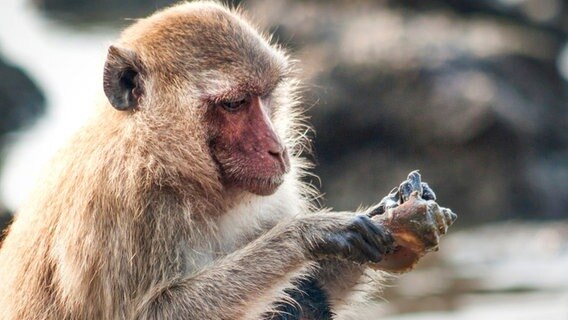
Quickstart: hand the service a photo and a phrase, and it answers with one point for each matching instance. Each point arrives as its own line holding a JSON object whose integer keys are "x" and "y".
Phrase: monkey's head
{"x": 209, "y": 95}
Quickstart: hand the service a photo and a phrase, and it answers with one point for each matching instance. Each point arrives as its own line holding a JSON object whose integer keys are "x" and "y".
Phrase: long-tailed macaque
{"x": 182, "y": 198}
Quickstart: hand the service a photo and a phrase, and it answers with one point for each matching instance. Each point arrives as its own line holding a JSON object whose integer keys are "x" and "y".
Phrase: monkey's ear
{"x": 122, "y": 83}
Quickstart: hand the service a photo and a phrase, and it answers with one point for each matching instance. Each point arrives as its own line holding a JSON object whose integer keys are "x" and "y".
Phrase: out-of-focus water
{"x": 67, "y": 64}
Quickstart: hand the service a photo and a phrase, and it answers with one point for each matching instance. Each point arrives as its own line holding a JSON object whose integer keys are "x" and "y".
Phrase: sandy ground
{"x": 507, "y": 271}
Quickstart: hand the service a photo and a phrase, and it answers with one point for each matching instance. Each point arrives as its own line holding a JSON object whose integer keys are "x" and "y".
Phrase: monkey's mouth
{"x": 261, "y": 186}
{"x": 249, "y": 177}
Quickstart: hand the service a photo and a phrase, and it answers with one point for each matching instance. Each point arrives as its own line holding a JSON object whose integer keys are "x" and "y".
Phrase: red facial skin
{"x": 244, "y": 143}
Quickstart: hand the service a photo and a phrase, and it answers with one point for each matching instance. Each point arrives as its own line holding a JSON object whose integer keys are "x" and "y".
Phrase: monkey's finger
{"x": 427, "y": 192}
{"x": 348, "y": 246}
{"x": 383, "y": 239}
{"x": 331, "y": 245}
{"x": 376, "y": 235}
{"x": 360, "y": 250}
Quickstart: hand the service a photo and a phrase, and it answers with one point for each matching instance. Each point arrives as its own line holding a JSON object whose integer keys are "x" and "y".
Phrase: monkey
{"x": 183, "y": 197}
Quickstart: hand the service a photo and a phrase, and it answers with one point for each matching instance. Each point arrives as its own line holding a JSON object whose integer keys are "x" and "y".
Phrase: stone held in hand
{"x": 416, "y": 225}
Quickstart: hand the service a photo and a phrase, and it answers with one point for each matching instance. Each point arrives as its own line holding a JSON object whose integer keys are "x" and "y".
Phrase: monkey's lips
{"x": 260, "y": 185}
{"x": 260, "y": 178}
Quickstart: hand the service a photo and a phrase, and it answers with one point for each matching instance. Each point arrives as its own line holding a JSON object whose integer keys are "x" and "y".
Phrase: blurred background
{"x": 474, "y": 93}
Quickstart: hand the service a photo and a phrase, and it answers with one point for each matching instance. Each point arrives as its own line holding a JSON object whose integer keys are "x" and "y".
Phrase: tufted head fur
{"x": 180, "y": 62}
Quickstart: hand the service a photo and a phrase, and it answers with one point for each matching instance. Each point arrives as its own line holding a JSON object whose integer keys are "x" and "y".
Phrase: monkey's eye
{"x": 235, "y": 105}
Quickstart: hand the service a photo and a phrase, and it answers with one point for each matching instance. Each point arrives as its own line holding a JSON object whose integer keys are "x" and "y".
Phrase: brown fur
{"x": 133, "y": 219}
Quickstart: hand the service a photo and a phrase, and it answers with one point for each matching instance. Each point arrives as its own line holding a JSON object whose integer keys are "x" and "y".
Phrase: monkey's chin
{"x": 261, "y": 186}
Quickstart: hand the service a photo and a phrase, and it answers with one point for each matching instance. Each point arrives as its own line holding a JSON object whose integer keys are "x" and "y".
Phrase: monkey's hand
{"x": 415, "y": 220}
{"x": 344, "y": 236}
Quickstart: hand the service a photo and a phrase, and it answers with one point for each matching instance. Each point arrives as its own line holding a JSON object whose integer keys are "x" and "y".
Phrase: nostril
{"x": 275, "y": 153}
{"x": 279, "y": 156}
{"x": 276, "y": 150}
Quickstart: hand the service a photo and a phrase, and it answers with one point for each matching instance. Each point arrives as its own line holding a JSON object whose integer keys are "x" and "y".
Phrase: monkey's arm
{"x": 245, "y": 283}
{"x": 232, "y": 287}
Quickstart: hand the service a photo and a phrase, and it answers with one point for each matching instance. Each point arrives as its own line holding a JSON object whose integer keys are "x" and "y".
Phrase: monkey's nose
{"x": 281, "y": 154}
{"x": 276, "y": 152}
{"x": 275, "y": 147}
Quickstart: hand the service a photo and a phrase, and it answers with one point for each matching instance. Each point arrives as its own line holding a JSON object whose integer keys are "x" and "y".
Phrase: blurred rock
{"x": 107, "y": 11}
{"x": 549, "y": 14}
{"x": 477, "y": 104}
{"x": 5, "y": 218}
{"x": 21, "y": 102}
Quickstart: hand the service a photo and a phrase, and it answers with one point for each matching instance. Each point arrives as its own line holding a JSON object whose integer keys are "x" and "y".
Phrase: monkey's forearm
{"x": 247, "y": 282}
{"x": 323, "y": 291}
{"x": 338, "y": 278}
{"x": 240, "y": 286}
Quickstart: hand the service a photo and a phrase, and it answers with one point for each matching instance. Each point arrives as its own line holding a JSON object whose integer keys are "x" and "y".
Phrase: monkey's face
{"x": 245, "y": 145}
{"x": 203, "y": 79}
